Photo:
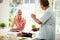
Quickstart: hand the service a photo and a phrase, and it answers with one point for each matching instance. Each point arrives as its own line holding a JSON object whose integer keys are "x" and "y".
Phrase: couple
{"x": 47, "y": 21}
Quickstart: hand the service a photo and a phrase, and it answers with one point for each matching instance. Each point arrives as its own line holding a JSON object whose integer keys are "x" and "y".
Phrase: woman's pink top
{"x": 19, "y": 24}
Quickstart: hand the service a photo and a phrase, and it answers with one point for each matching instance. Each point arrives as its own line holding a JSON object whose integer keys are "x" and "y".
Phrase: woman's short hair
{"x": 44, "y": 2}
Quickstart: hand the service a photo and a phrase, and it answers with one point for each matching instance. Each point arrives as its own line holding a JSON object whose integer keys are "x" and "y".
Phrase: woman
{"x": 47, "y": 21}
{"x": 18, "y": 22}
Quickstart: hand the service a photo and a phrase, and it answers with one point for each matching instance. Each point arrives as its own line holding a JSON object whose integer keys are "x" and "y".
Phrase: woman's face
{"x": 19, "y": 12}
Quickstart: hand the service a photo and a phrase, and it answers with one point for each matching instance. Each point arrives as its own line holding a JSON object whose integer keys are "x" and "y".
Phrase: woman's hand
{"x": 33, "y": 16}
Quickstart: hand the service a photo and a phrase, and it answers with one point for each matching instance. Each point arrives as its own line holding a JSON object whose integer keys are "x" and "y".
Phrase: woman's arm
{"x": 23, "y": 25}
{"x": 13, "y": 22}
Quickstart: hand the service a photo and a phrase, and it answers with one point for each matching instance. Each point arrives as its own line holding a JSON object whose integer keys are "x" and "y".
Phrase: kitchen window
{"x": 57, "y": 11}
{"x": 29, "y": 1}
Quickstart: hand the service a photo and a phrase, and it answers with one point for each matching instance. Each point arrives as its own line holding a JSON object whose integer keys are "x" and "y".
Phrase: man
{"x": 47, "y": 21}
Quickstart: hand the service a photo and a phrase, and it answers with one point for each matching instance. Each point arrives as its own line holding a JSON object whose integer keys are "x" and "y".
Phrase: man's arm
{"x": 35, "y": 19}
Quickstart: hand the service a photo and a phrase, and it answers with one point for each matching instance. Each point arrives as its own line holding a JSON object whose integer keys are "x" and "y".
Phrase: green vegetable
{"x": 2, "y": 25}
{"x": 22, "y": 39}
{"x": 33, "y": 26}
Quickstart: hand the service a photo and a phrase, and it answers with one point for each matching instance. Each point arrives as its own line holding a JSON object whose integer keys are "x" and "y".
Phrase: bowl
{"x": 35, "y": 29}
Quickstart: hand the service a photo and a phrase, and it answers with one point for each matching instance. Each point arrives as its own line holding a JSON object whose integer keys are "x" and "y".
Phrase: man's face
{"x": 42, "y": 6}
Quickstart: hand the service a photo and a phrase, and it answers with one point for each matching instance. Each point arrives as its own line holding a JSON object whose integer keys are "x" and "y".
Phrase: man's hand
{"x": 33, "y": 16}
{"x": 35, "y": 19}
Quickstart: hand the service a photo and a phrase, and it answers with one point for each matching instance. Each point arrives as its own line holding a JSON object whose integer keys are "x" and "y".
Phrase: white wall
{"x": 4, "y": 10}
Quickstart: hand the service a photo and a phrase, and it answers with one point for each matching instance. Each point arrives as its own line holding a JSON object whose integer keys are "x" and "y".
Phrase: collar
{"x": 46, "y": 9}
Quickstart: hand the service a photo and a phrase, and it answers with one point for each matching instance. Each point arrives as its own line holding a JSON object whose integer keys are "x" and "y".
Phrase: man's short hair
{"x": 44, "y": 2}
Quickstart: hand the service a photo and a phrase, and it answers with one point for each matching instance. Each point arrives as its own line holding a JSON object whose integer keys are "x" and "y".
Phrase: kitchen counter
{"x": 13, "y": 35}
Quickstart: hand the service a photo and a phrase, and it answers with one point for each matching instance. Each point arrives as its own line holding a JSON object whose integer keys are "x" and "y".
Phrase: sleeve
{"x": 45, "y": 17}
